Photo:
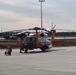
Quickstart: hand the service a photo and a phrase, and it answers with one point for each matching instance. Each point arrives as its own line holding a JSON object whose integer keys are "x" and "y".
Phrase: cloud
{"x": 15, "y": 20}
{"x": 26, "y": 13}
{"x": 23, "y": 7}
{"x": 9, "y": 15}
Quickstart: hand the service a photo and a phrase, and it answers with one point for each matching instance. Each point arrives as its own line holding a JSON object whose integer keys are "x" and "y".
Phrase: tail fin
{"x": 53, "y": 34}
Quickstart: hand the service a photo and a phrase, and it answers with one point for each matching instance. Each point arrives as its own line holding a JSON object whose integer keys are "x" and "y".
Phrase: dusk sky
{"x": 24, "y": 14}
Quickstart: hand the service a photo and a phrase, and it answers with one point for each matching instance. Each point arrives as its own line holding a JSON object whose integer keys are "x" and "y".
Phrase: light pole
{"x": 41, "y": 13}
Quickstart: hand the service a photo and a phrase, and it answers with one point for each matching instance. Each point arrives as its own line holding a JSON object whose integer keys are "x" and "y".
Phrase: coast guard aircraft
{"x": 36, "y": 40}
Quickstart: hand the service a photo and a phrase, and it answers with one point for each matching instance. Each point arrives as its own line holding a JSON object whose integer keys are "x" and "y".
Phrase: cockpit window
{"x": 25, "y": 39}
{"x": 33, "y": 39}
{"x": 29, "y": 39}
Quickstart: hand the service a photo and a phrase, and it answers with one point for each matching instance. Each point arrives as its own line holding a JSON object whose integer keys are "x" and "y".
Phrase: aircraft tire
{"x": 26, "y": 50}
{"x": 5, "y": 53}
{"x": 43, "y": 49}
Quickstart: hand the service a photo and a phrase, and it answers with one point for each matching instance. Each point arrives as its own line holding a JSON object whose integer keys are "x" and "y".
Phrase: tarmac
{"x": 56, "y": 61}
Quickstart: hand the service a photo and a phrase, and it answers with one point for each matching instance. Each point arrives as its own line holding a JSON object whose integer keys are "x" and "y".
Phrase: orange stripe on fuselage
{"x": 58, "y": 42}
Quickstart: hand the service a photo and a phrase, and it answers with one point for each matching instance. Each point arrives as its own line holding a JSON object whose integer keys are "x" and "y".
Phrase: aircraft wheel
{"x": 26, "y": 50}
{"x": 5, "y": 53}
{"x": 43, "y": 49}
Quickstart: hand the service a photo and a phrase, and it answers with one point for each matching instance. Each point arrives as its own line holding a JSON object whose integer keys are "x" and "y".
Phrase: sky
{"x": 24, "y": 14}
